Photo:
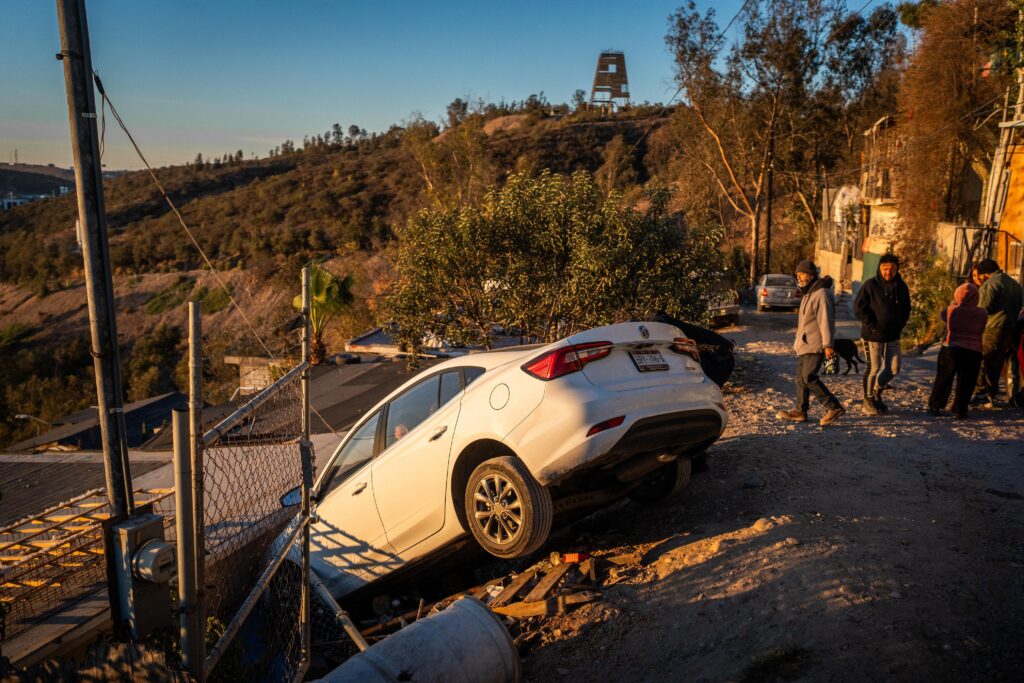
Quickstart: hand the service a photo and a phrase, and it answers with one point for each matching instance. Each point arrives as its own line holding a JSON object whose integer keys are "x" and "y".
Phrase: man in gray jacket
{"x": 815, "y": 330}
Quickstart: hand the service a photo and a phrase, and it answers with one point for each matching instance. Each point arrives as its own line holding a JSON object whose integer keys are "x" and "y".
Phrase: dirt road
{"x": 884, "y": 548}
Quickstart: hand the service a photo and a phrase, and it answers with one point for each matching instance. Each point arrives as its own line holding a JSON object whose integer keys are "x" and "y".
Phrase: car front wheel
{"x": 664, "y": 482}
{"x": 508, "y": 512}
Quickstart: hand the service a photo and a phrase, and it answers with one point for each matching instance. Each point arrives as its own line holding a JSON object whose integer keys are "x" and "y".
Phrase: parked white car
{"x": 492, "y": 444}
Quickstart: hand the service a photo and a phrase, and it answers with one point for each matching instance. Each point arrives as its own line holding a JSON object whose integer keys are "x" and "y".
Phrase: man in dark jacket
{"x": 883, "y": 308}
{"x": 1001, "y": 297}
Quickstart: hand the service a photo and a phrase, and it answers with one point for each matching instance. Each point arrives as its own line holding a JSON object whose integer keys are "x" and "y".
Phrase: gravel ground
{"x": 877, "y": 547}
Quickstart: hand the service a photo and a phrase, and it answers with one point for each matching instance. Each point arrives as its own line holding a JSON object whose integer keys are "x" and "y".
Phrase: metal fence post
{"x": 190, "y": 632}
{"x": 195, "y": 410}
{"x": 306, "y": 454}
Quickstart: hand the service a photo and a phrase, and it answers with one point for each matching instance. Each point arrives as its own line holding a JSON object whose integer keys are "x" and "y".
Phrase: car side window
{"x": 407, "y": 411}
{"x": 471, "y": 373}
{"x": 450, "y": 386}
{"x": 358, "y": 450}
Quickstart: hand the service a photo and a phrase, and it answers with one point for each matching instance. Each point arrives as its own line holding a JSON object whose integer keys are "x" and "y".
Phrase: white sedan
{"x": 491, "y": 444}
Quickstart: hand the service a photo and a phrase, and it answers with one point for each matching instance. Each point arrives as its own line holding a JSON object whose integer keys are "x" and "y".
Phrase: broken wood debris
{"x": 544, "y": 586}
{"x": 510, "y": 591}
{"x": 555, "y": 585}
{"x": 558, "y": 604}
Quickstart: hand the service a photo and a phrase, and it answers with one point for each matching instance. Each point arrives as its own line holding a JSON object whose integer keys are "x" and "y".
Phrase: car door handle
{"x": 436, "y": 434}
{"x": 359, "y": 488}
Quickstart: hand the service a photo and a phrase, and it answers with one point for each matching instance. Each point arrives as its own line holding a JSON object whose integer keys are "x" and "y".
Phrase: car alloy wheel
{"x": 506, "y": 510}
{"x": 499, "y": 509}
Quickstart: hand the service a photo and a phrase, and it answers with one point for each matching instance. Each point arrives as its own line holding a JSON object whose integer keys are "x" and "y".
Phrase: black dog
{"x": 847, "y": 350}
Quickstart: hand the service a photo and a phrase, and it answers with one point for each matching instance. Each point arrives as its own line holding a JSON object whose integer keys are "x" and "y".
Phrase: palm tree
{"x": 329, "y": 295}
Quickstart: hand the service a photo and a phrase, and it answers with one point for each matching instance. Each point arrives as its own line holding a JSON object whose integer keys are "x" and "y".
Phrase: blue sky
{"x": 221, "y": 75}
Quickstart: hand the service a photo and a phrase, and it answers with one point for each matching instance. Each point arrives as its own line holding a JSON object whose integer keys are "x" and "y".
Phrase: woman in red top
{"x": 960, "y": 356}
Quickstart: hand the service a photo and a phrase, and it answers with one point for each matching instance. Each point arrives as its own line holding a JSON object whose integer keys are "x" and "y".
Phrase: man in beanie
{"x": 883, "y": 308}
{"x": 1000, "y": 295}
{"x": 815, "y": 330}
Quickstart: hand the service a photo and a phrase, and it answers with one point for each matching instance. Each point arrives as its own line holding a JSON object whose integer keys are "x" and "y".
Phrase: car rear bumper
{"x": 553, "y": 441}
{"x": 787, "y": 302}
{"x": 684, "y": 433}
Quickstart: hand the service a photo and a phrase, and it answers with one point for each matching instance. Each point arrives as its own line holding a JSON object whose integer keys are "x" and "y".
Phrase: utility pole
{"x": 99, "y": 286}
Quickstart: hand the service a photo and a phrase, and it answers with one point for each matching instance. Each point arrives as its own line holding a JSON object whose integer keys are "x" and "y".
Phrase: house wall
{"x": 1008, "y": 252}
{"x": 829, "y": 263}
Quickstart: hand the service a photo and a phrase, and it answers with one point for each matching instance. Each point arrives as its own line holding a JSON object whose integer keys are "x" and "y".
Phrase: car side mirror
{"x": 293, "y": 497}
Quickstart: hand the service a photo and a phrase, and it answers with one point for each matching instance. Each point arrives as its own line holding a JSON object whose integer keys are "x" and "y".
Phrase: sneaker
{"x": 792, "y": 415}
{"x": 870, "y": 408}
{"x": 960, "y": 416}
{"x": 935, "y": 412}
{"x": 832, "y": 415}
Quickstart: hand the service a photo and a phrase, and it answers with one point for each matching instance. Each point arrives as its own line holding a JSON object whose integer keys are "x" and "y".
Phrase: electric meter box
{"x": 145, "y": 564}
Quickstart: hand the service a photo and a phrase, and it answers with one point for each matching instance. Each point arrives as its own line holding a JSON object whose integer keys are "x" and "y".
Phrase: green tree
{"x": 547, "y": 257}
{"x": 456, "y": 167}
{"x": 150, "y": 367}
{"x": 579, "y": 100}
{"x": 329, "y": 296}
{"x": 457, "y": 112}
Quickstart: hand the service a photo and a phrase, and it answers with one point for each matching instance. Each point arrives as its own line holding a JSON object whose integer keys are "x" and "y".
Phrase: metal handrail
{"x": 234, "y": 419}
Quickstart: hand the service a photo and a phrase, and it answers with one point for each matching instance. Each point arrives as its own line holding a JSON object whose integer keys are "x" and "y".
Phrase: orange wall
{"x": 1012, "y": 220}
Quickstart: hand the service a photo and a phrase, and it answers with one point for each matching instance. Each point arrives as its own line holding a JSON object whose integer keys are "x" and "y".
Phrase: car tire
{"x": 664, "y": 483}
{"x": 508, "y": 482}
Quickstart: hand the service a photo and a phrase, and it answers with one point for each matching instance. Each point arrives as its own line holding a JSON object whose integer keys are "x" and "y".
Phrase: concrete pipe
{"x": 466, "y": 643}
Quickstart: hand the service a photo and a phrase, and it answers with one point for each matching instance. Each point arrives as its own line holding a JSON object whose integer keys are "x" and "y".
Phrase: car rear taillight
{"x": 566, "y": 360}
{"x": 607, "y": 424}
{"x": 764, "y": 291}
{"x": 687, "y": 347}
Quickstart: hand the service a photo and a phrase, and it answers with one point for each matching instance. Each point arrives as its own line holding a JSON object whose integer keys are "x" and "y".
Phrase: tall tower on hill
{"x": 611, "y": 86}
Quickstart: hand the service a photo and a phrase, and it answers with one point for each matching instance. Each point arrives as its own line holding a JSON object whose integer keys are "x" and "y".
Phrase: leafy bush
{"x": 548, "y": 257}
{"x": 13, "y": 333}
{"x": 214, "y": 299}
{"x": 173, "y": 295}
{"x": 151, "y": 363}
{"x": 931, "y": 292}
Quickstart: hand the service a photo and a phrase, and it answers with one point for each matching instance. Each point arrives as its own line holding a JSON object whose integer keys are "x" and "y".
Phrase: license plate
{"x": 648, "y": 361}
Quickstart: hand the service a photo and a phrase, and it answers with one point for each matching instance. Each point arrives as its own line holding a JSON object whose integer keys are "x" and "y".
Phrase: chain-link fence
{"x": 248, "y": 466}
{"x": 51, "y": 559}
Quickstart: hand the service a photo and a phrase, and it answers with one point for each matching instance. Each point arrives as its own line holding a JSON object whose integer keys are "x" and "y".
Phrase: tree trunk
{"x": 317, "y": 351}
{"x": 755, "y": 221}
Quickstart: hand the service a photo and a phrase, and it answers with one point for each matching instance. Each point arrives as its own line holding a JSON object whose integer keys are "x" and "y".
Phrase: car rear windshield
{"x": 780, "y": 281}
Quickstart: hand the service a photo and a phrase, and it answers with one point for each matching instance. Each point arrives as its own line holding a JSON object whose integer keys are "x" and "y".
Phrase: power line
{"x": 216, "y": 274}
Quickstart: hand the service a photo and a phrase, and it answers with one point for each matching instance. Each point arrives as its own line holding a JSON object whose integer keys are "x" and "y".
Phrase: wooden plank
{"x": 589, "y": 569}
{"x": 545, "y": 585}
{"x": 509, "y": 592}
{"x": 558, "y": 604}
